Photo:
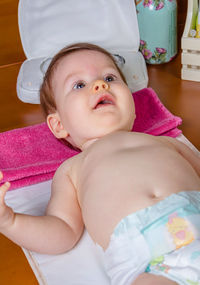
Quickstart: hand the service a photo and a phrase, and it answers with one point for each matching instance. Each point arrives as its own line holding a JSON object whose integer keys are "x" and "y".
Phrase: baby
{"x": 136, "y": 194}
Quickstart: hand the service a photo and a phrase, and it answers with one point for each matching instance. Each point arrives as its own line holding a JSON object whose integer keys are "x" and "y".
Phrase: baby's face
{"x": 92, "y": 98}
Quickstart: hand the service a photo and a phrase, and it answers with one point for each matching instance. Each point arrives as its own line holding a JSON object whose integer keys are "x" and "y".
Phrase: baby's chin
{"x": 91, "y": 140}
{"x": 91, "y": 135}
{"x": 122, "y": 126}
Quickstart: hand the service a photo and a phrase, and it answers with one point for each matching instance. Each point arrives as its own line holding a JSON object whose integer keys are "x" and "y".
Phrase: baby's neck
{"x": 88, "y": 143}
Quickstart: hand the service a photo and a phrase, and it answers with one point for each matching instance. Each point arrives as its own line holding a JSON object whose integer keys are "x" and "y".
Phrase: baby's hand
{"x": 6, "y": 213}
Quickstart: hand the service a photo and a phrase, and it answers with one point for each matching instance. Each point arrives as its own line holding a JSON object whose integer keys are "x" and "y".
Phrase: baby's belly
{"x": 119, "y": 183}
{"x": 106, "y": 210}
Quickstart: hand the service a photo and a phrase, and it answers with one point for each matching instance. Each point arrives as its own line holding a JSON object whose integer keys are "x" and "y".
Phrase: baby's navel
{"x": 156, "y": 194}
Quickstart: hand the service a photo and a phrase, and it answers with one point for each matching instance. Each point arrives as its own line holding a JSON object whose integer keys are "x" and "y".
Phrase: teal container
{"x": 157, "y": 20}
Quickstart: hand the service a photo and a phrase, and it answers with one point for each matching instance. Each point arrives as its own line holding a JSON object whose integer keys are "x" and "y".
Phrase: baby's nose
{"x": 99, "y": 85}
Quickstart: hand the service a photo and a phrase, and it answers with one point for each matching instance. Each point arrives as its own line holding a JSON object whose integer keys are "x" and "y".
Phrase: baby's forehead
{"x": 83, "y": 56}
{"x": 83, "y": 60}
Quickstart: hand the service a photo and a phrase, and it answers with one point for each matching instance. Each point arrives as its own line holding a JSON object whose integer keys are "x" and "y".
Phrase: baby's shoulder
{"x": 67, "y": 171}
{"x": 166, "y": 139}
{"x": 68, "y": 165}
{"x": 169, "y": 142}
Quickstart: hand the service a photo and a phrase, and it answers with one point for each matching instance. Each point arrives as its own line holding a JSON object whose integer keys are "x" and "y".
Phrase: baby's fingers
{"x": 3, "y": 189}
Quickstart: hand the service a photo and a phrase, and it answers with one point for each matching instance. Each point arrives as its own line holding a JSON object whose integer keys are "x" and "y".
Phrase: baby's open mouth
{"x": 103, "y": 101}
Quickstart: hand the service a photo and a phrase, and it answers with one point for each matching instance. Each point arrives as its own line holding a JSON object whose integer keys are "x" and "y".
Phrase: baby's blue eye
{"x": 109, "y": 78}
{"x": 79, "y": 85}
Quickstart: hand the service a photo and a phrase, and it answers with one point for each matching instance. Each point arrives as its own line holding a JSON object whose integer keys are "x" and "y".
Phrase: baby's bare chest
{"x": 120, "y": 165}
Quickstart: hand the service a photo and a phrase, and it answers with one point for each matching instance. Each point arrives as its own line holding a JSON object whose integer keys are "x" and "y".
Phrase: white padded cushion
{"x": 47, "y": 26}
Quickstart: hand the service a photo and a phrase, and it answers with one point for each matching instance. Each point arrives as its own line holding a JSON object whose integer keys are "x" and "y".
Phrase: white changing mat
{"x": 83, "y": 264}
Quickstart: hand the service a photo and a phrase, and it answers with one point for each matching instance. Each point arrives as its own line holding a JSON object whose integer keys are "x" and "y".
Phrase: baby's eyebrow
{"x": 112, "y": 69}
{"x": 68, "y": 78}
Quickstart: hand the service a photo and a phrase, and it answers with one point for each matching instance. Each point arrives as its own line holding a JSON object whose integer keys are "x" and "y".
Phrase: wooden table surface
{"x": 181, "y": 97}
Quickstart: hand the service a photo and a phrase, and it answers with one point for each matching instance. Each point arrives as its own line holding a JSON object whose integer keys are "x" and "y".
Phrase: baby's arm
{"x": 56, "y": 232}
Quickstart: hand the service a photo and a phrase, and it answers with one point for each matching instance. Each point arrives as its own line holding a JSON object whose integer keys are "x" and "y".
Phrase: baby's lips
{"x": 105, "y": 99}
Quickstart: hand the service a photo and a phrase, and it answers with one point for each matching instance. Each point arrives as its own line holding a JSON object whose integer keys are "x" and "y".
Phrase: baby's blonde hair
{"x": 47, "y": 99}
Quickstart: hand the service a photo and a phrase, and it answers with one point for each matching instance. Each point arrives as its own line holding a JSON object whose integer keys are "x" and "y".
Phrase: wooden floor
{"x": 182, "y": 98}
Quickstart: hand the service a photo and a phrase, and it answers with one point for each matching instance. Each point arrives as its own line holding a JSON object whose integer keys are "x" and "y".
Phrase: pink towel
{"x": 31, "y": 155}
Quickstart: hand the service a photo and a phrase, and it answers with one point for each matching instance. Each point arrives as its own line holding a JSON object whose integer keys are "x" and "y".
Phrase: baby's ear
{"x": 56, "y": 127}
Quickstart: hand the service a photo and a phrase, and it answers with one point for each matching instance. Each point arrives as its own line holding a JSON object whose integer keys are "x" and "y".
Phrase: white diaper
{"x": 163, "y": 239}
